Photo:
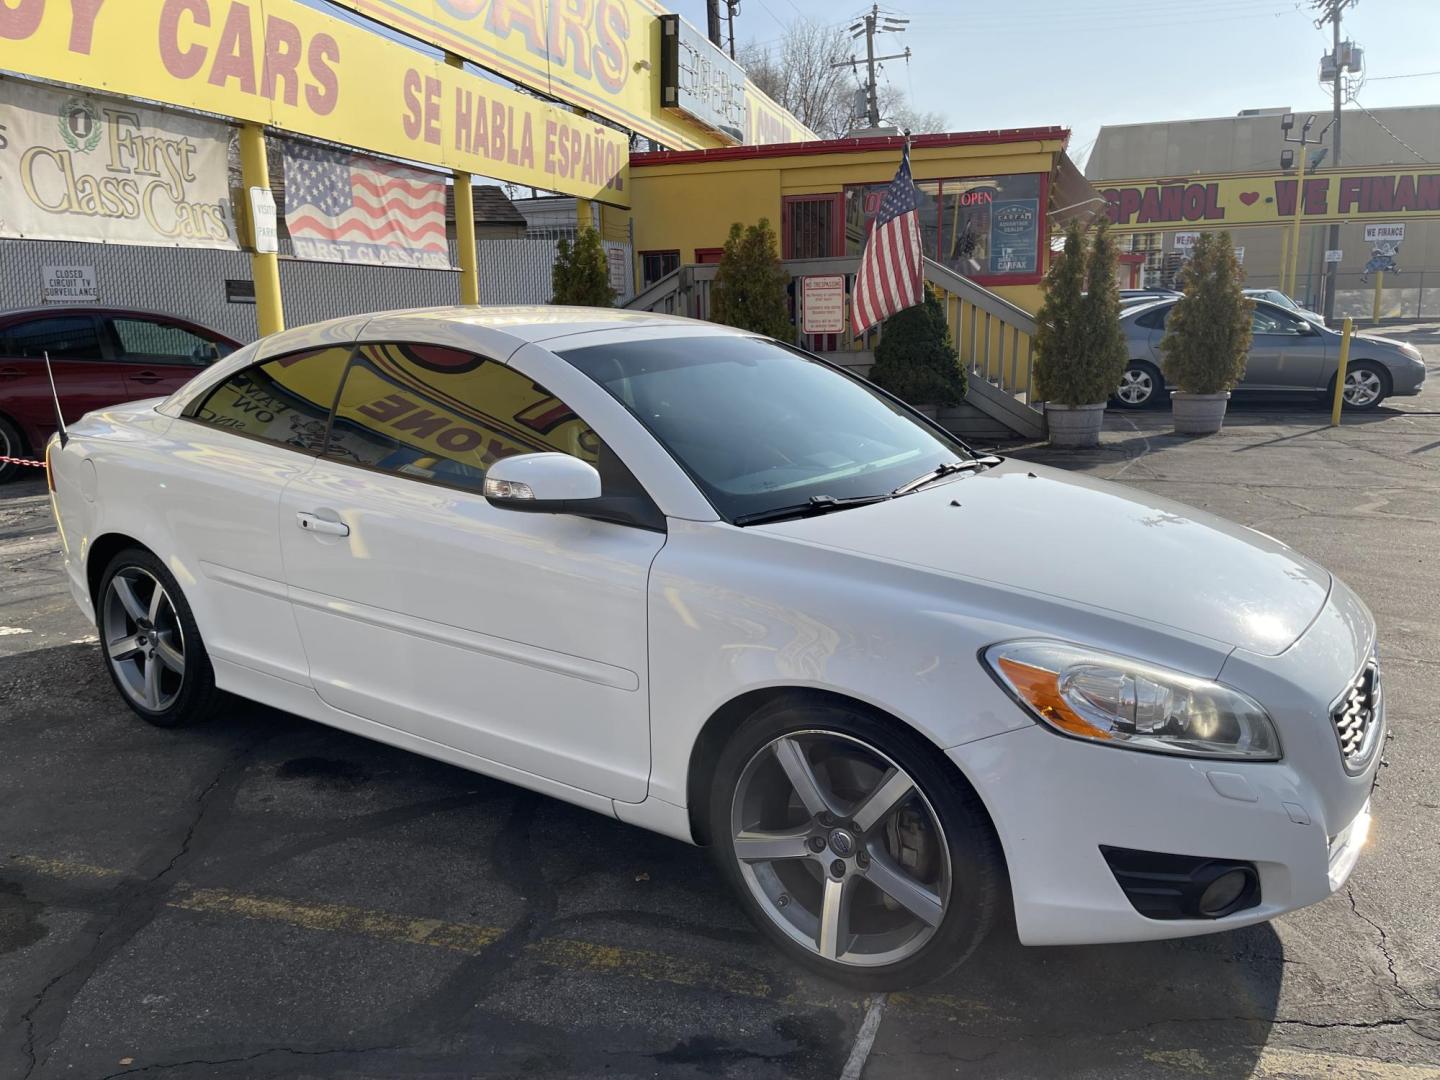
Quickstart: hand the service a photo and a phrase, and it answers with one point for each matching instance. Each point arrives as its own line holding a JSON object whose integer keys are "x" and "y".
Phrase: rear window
{"x": 1155, "y": 319}
{"x": 64, "y": 337}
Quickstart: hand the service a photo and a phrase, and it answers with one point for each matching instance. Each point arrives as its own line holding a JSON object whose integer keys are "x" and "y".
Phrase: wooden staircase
{"x": 994, "y": 337}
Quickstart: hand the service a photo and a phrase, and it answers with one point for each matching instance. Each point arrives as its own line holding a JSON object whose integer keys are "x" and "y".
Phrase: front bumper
{"x": 1300, "y": 821}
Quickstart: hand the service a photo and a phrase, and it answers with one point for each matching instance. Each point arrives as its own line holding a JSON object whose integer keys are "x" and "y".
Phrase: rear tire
{"x": 853, "y": 844}
{"x": 151, "y": 645}
{"x": 12, "y": 444}
{"x": 1141, "y": 386}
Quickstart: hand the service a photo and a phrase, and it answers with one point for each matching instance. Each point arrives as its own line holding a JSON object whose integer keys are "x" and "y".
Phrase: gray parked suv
{"x": 1288, "y": 354}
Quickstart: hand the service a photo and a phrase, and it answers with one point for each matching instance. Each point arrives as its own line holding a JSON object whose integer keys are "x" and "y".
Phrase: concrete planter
{"x": 1198, "y": 414}
{"x": 1074, "y": 425}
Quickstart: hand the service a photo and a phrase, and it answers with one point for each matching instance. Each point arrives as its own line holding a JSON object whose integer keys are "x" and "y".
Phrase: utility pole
{"x": 731, "y": 7}
{"x": 1289, "y": 277}
{"x": 712, "y": 19}
{"x": 871, "y": 24}
{"x": 1330, "y": 11}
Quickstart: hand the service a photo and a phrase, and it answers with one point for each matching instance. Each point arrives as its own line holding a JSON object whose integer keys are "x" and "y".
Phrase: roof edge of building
{"x": 935, "y": 140}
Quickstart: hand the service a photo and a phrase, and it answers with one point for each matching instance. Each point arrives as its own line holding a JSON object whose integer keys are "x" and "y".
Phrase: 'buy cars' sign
{"x": 280, "y": 63}
{"x": 1265, "y": 199}
{"x": 604, "y": 55}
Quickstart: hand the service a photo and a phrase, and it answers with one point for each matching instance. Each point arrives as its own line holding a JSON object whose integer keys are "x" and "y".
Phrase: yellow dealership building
{"x": 989, "y": 201}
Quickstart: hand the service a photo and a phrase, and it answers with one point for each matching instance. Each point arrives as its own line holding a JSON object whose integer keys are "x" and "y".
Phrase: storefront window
{"x": 982, "y": 227}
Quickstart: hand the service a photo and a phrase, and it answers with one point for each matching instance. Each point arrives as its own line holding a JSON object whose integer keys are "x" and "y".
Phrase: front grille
{"x": 1357, "y": 718}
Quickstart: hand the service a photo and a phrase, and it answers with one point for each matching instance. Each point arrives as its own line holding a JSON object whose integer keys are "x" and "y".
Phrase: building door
{"x": 812, "y": 226}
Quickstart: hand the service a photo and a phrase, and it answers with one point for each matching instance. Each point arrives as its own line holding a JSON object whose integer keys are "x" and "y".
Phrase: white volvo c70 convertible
{"x": 710, "y": 585}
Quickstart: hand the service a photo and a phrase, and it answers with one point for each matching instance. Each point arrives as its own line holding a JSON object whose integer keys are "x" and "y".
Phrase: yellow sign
{"x": 1218, "y": 202}
{"x": 280, "y": 63}
{"x": 603, "y": 55}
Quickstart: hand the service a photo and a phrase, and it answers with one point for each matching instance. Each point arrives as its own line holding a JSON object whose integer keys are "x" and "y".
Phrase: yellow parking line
{"x": 63, "y": 868}
{"x": 460, "y": 937}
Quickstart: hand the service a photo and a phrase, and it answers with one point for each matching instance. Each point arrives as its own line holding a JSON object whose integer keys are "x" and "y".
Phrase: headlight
{"x": 1121, "y": 702}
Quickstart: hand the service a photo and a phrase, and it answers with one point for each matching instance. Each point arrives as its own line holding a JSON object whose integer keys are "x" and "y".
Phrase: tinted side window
{"x": 64, "y": 337}
{"x": 1153, "y": 320}
{"x": 285, "y": 401}
{"x": 1267, "y": 320}
{"x": 445, "y": 415}
{"x": 147, "y": 340}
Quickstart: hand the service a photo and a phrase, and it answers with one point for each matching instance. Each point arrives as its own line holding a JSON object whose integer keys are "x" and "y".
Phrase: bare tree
{"x": 797, "y": 72}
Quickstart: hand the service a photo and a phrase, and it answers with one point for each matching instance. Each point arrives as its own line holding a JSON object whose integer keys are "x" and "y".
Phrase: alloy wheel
{"x": 1136, "y": 386}
{"x": 143, "y": 639}
{"x": 840, "y": 848}
{"x": 1362, "y": 387}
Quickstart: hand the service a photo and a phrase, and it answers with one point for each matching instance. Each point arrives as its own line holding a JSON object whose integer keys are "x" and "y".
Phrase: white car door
{"x": 516, "y": 637}
{"x": 233, "y": 451}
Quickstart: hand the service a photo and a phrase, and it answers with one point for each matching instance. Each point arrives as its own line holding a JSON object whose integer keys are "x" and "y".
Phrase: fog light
{"x": 1221, "y": 895}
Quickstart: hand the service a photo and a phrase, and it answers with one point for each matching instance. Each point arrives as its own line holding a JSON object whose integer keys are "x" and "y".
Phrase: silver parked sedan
{"x": 1288, "y": 354}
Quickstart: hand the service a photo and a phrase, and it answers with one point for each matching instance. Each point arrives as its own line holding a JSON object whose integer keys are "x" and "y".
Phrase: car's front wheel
{"x": 150, "y": 642}
{"x": 853, "y": 844}
{"x": 1141, "y": 386}
{"x": 1367, "y": 384}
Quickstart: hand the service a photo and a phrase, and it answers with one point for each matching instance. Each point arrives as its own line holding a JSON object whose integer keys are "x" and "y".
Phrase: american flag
{"x": 892, "y": 269}
{"x": 339, "y": 197}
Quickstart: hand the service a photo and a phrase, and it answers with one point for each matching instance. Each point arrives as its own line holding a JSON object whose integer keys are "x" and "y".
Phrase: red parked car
{"x": 101, "y": 357}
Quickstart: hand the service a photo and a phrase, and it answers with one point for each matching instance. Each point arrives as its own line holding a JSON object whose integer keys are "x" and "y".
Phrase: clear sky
{"x": 1084, "y": 63}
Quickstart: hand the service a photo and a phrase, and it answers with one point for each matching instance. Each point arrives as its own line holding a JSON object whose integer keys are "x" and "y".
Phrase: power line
{"x": 1412, "y": 75}
{"x": 1392, "y": 134}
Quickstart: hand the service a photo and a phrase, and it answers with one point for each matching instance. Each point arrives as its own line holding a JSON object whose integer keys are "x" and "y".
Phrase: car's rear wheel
{"x": 1141, "y": 386}
{"x": 151, "y": 644}
{"x": 854, "y": 845}
{"x": 12, "y": 444}
{"x": 1367, "y": 384}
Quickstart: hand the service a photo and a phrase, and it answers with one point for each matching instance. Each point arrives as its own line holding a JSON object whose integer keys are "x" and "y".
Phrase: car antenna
{"x": 55, "y": 397}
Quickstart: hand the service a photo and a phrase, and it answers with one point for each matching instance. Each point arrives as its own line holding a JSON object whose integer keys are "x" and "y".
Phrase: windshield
{"x": 759, "y": 426}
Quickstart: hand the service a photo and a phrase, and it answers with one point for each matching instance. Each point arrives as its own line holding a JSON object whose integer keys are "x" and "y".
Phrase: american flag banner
{"x": 892, "y": 270}
{"x": 344, "y": 207}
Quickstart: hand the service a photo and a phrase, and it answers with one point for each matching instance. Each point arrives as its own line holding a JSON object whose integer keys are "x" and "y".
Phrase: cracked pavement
{"x": 264, "y": 897}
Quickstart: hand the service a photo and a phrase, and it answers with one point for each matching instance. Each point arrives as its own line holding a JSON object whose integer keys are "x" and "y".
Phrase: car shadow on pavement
{"x": 94, "y": 797}
{"x": 1105, "y": 1010}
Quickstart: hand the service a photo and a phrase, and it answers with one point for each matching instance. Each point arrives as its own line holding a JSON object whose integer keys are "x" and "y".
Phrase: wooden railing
{"x": 995, "y": 338}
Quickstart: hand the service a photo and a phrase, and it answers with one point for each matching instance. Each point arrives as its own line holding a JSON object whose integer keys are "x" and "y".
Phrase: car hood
{"x": 1398, "y": 346}
{"x": 1090, "y": 542}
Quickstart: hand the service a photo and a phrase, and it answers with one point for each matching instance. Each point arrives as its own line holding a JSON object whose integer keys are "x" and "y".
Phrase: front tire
{"x": 151, "y": 645}
{"x": 1367, "y": 384}
{"x": 1141, "y": 386}
{"x": 853, "y": 844}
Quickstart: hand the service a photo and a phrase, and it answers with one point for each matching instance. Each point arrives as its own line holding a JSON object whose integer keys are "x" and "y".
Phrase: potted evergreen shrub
{"x": 1079, "y": 346}
{"x": 1207, "y": 336}
{"x": 750, "y": 282}
{"x": 580, "y": 275}
{"x": 916, "y": 360}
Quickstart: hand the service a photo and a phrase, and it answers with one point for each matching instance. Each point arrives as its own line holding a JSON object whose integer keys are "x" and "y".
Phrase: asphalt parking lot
{"x": 264, "y": 897}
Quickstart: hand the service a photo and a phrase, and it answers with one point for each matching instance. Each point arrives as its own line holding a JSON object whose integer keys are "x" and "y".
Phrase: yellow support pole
{"x": 1295, "y": 235}
{"x": 465, "y": 224}
{"x": 1284, "y": 257}
{"x": 1340, "y": 374}
{"x": 265, "y": 269}
{"x": 1375, "y": 310}
{"x": 584, "y": 215}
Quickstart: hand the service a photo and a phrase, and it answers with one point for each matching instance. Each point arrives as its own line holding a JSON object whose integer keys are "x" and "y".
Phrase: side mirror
{"x": 541, "y": 483}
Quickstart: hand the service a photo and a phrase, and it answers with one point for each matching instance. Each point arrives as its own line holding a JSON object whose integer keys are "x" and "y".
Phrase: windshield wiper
{"x": 945, "y": 469}
{"x": 811, "y": 507}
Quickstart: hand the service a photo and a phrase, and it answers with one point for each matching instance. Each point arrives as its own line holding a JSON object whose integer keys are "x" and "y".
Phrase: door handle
{"x": 10, "y": 373}
{"x": 148, "y": 377}
{"x": 324, "y": 526}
